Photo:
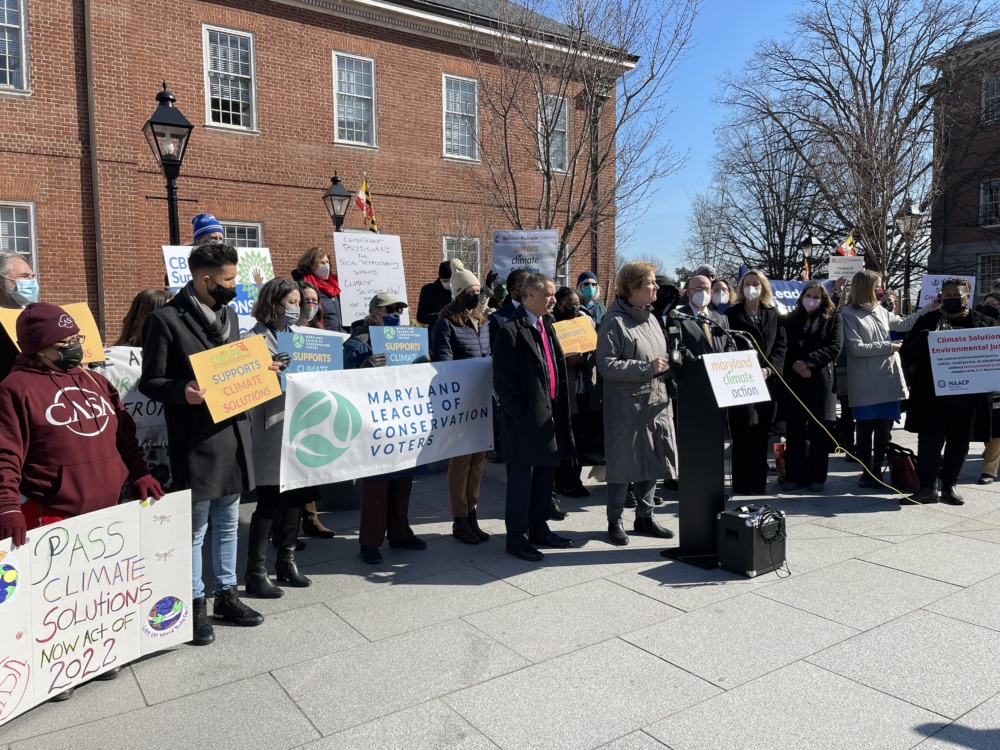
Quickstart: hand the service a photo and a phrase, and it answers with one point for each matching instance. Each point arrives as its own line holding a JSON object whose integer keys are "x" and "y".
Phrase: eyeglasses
{"x": 70, "y": 342}
{"x": 590, "y": 283}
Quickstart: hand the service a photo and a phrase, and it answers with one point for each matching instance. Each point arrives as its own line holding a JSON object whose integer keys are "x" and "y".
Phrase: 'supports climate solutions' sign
{"x": 533, "y": 250}
{"x": 236, "y": 377}
{"x": 359, "y": 423}
{"x": 401, "y": 345}
{"x": 311, "y": 350}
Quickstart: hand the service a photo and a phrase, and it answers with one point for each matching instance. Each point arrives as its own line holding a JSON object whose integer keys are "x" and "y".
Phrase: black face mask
{"x": 222, "y": 295}
{"x": 567, "y": 313}
{"x": 952, "y": 305}
{"x": 470, "y": 300}
{"x": 888, "y": 304}
{"x": 69, "y": 357}
{"x": 988, "y": 310}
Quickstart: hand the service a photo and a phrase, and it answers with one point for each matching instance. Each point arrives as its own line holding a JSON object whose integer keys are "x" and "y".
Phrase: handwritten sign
{"x": 844, "y": 266}
{"x": 736, "y": 378}
{"x": 534, "y": 250}
{"x": 965, "y": 360}
{"x": 576, "y": 336}
{"x": 93, "y": 349}
{"x": 401, "y": 345}
{"x": 311, "y": 350}
{"x": 237, "y": 377}
{"x": 253, "y": 270}
{"x": 930, "y": 287}
{"x": 368, "y": 264}
{"x": 92, "y": 593}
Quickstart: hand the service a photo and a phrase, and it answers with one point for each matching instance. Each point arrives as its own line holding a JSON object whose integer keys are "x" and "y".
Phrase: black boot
{"x": 474, "y": 525}
{"x": 649, "y": 526}
{"x": 204, "y": 633}
{"x": 256, "y": 578}
{"x": 461, "y": 530}
{"x": 228, "y": 607}
{"x": 287, "y": 570}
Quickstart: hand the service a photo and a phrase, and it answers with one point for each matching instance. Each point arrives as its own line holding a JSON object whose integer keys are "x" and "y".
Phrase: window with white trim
{"x": 461, "y": 118}
{"x": 354, "y": 100}
{"x": 562, "y": 275}
{"x": 991, "y": 99}
{"x": 12, "y": 45}
{"x": 989, "y": 203}
{"x": 243, "y": 234}
{"x": 17, "y": 230}
{"x": 466, "y": 249}
{"x": 553, "y": 126}
{"x": 230, "y": 95}
{"x": 989, "y": 273}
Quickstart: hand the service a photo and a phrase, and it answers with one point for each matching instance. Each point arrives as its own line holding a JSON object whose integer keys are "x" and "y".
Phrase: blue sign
{"x": 311, "y": 352}
{"x": 788, "y": 292}
{"x": 401, "y": 345}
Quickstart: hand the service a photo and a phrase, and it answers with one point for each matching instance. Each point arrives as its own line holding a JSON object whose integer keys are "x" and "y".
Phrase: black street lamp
{"x": 337, "y": 199}
{"x": 907, "y": 221}
{"x": 808, "y": 245}
{"x": 167, "y": 132}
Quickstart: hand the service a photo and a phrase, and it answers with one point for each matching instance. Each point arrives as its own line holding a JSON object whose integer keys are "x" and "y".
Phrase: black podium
{"x": 701, "y": 467}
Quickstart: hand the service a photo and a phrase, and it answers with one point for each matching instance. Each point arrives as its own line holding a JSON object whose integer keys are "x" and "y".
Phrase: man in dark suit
{"x": 529, "y": 377}
{"x": 692, "y": 338}
{"x": 496, "y": 321}
{"x": 210, "y": 458}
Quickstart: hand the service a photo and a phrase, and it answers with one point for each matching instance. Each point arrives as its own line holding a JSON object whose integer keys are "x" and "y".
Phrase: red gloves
{"x": 145, "y": 487}
{"x": 12, "y": 526}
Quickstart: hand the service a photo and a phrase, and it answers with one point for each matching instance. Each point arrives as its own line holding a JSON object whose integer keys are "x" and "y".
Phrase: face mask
{"x": 323, "y": 272}
{"x": 390, "y": 319}
{"x": 69, "y": 357}
{"x": 222, "y": 295}
{"x": 446, "y": 285}
{"x": 292, "y": 315}
{"x": 889, "y": 305}
{"x": 751, "y": 292}
{"x": 701, "y": 298}
{"x": 879, "y": 293}
{"x": 952, "y": 305}
{"x": 311, "y": 309}
{"x": 989, "y": 311}
{"x": 470, "y": 300}
{"x": 588, "y": 292}
{"x": 26, "y": 291}
{"x": 567, "y": 313}
{"x": 720, "y": 298}
{"x": 810, "y": 303}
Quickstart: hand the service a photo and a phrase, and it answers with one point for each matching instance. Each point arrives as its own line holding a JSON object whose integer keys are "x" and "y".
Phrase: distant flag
{"x": 363, "y": 200}
{"x": 848, "y": 247}
{"x": 805, "y": 270}
{"x": 743, "y": 270}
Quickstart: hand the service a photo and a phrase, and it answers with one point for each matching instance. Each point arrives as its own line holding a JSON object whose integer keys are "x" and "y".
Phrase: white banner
{"x": 966, "y": 360}
{"x": 360, "y": 423}
{"x": 368, "y": 264}
{"x": 736, "y": 378}
{"x": 930, "y": 287}
{"x": 92, "y": 593}
{"x": 534, "y": 250}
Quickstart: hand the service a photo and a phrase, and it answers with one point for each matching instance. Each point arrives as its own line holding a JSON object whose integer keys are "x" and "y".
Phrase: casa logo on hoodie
{"x": 83, "y": 411}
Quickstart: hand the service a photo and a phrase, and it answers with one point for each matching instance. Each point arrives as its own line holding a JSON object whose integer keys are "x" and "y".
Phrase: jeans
{"x": 225, "y": 514}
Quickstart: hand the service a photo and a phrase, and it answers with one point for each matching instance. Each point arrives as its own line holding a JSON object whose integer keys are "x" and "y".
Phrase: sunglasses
{"x": 590, "y": 283}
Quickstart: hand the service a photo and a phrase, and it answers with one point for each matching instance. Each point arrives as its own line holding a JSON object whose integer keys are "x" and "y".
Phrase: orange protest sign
{"x": 576, "y": 336}
{"x": 93, "y": 347}
{"x": 8, "y": 319}
{"x": 237, "y": 377}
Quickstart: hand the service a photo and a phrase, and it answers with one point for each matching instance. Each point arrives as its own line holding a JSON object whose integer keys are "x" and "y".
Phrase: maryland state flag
{"x": 848, "y": 247}
{"x": 363, "y": 200}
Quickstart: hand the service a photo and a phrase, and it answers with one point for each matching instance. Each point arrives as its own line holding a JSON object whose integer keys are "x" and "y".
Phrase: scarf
{"x": 948, "y": 320}
{"x": 330, "y": 287}
{"x": 215, "y": 329}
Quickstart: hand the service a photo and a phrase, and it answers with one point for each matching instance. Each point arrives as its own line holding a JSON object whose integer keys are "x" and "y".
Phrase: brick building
{"x": 965, "y": 226}
{"x": 257, "y": 78}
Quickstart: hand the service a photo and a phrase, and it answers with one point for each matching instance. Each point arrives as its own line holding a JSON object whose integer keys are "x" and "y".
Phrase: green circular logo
{"x": 339, "y": 423}
{"x": 390, "y": 333}
{"x": 298, "y": 340}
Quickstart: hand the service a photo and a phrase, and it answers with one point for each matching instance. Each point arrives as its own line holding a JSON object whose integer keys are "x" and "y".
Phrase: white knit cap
{"x": 461, "y": 278}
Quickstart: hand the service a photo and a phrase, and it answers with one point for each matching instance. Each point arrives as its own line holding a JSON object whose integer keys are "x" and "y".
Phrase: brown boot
{"x": 461, "y": 530}
{"x": 474, "y": 525}
{"x": 312, "y": 526}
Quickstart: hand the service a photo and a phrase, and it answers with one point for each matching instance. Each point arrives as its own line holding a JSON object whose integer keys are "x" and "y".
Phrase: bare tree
{"x": 574, "y": 102}
{"x": 657, "y": 263}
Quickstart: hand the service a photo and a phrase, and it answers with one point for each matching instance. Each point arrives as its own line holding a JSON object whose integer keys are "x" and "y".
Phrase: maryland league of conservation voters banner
{"x": 92, "y": 593}
{"x": 253, "y": 270}
{"x": 401, "y": 345}
{"x": 360, "y": 423}
{"x": 236, "y": 377}
{"x": 965, "y": 360}
{"x": 533, "y": 250}
{"x": 736, "y": 378}
{"x": 368, "y": 264}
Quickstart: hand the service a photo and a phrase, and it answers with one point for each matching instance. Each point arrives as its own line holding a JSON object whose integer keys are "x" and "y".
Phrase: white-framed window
{"x": 988, "y": 273}
{"x": 461, "y": 117}
{"x": 13, "y": 45}
{"x": 553, "y": 126}
{"x": 243, "y": 233}
{"x": 991, "y": 99}
{"x": 562, "y": 275}
{"x": 989, "y": 203}
{"x": 466, "y": 249}
{"x": 230, "y": 85}
{"x": 17, "y": 230}
{"x": 354, "y": 112}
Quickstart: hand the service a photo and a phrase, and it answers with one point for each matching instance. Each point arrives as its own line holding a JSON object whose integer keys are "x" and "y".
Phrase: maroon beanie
{"x": 40, "y": 325}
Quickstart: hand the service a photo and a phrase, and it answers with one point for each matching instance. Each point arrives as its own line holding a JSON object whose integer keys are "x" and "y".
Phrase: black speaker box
{"x": 743, "y": 535}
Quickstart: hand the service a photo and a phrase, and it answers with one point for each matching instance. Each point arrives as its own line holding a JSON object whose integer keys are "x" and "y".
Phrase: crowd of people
{"x": 555, "y": 412}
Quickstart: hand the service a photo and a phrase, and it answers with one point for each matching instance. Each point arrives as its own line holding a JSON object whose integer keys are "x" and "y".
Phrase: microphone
{"x": 678, "y": 315}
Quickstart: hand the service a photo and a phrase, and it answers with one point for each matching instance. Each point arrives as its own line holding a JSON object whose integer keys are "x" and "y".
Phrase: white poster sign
{"x": 368, "y": 264}
{"x": 844, "y": 266}
{"x": 930, "y": 287}
{"x": 254, "y": 269}
{"x": 360, "y": 423}
{"x": 966, "y": 360}
{"x": 534, "y": 250}
{"x": 92, "y": 593}
{"x": 736, "y": 378}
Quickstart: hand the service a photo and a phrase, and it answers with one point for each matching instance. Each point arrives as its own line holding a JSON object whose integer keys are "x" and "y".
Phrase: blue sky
{"x": 725, "y": 34}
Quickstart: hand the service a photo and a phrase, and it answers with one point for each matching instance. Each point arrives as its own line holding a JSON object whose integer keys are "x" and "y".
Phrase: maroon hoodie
{"x": 66, "y": 441}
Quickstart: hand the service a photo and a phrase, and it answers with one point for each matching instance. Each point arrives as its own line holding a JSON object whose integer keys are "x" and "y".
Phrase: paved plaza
{"x": 886, "y": 635}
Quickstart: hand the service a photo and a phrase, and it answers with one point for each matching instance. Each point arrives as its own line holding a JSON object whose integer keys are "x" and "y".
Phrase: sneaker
{"x": 371, "y": 555}
{"x": 229, "y": 608}
{"x": 204, "y": 633}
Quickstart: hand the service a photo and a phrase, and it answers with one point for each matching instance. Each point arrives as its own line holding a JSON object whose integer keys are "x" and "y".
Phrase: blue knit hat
{"x": 585, "y": 276}
{"x": 205, "y": 224}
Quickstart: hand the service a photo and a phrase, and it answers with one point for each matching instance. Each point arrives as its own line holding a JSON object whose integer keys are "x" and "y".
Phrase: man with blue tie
{"x": 529, "y": 378}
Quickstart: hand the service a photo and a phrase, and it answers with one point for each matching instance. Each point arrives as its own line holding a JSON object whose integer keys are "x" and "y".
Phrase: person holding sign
{"x": 314, "y": 269}
{"x": 210, "y": 458}
{"x": 638, "y": 417}
{"x": 461, "y": 332}
{"x": 943, "y": 422}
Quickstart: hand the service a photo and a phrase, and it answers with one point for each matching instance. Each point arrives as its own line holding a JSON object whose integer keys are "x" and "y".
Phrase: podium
{"x": 701, "y": 467}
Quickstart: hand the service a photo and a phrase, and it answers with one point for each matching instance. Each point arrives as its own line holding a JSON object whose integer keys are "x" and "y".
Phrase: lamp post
{"x": 907, "y": 220}
{"x": 167, "y": 132}
{"x": 337, "y": 199}
{"x": 808, "y": 245}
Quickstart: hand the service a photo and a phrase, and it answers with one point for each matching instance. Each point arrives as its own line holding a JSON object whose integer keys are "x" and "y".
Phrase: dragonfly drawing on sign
{"x": 164, "y": 556}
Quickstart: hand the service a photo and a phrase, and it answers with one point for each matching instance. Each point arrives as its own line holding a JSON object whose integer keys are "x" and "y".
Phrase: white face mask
{"x": 323, "y": 272}
{"x": 701, "y": 299}
{"x": 446, "y": 284}
{"x": 751, "y": 292}
{"x": 720, "y": 298}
